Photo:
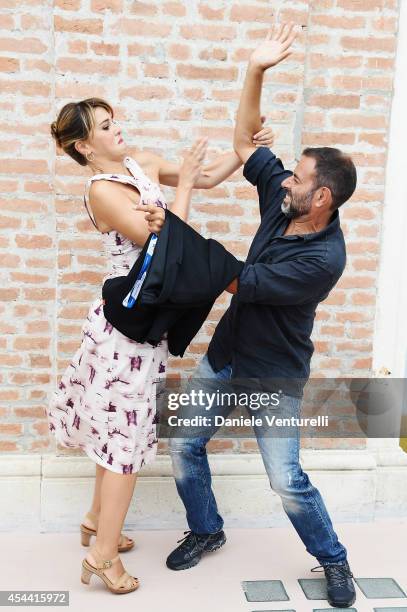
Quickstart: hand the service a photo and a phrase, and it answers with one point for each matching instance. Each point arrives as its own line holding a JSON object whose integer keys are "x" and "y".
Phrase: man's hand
{"x": 155, "y": 216}
{"x": 275, "y": 48}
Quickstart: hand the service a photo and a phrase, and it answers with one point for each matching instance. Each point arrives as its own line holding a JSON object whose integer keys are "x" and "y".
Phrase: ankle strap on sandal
{"x": 103, "y": 563}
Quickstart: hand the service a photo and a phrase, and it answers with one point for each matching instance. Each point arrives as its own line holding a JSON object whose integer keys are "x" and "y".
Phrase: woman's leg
{"x": 92, "y": 522}
{"x": 115, "y": 495}
{"x": 100, "y": 472}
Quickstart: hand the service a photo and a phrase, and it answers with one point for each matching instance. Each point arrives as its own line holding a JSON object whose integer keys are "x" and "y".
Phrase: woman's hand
{"x": 275, "y": 48}
{"x": 192, "y": 164}
{"x": 264, "y": 138}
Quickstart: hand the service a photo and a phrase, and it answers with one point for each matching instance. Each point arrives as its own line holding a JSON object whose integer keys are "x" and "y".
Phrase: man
{"x": 296, "y": 258}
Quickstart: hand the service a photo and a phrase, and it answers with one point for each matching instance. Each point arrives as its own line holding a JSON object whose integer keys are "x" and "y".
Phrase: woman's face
{"x": 106, "y": 141}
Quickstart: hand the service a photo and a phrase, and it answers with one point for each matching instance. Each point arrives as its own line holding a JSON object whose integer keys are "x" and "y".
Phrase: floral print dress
{"x": 105, "y": 400}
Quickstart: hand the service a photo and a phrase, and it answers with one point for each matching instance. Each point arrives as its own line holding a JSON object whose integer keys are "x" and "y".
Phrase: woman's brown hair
{"x": 76, "y": 121}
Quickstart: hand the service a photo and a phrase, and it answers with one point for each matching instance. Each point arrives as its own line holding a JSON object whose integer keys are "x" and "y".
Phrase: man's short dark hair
{"x": 335, "y": 170}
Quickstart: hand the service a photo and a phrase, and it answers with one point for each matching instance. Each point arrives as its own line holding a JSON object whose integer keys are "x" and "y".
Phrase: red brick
{"x": 10, "y": 294}
{"x": 139, "y": 27}
{"x": 360, "y": 298}
{"x": 7, "y": 447}
{"x": 33, "y": 241}
{"x": 362, "y": 364}
{"x": 142, "y": 8}
{"x": 338, "y": 22}
{"x": 24, "y": 166}
{"x": 215, "y": 54}
{"x": 147, "y": 92}
{"x": 156, "y": 70}
{"x": 365, "y": 263}
{"x": 385, "y": 24}
{"x": 360, "y": 43}
{"x": 76, "y": 65}
{"x": 360, "y": 5}
{"x": 208, "y": 32}
{"x": 334, "y": 101}
{"x": 207, "y": 12}
{"x": 177, "y": 9}
{"x": 179, "y": 51}
{"x": 26, "y": 344}
{"x": 105, "y": 49}
{"x": 23, "y": 45}
{"x": 83, "y": 26}
{"x": 116, "y": 6}
{"x": 321, "y": 60}
{"x": 31, "y": 412}
{"x": 9, "y": 64}
{"x": 250, "y": 13}
{"x": 328, "y": 139}
{"x": 68, "y": 5}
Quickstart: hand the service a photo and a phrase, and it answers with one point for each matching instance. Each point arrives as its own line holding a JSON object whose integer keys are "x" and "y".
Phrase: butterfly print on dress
{"x": 75, "y": 381}
{"x": 109, "y": 383}
{"x": 161, "y": 368}
{"x": 131, "y": 417}
{"x": 135, "y": 363}
{"x": 76, "y": 421}
{"x": 98, "y": 309}
{"x": 64, "y": 426}
{"x": 108, "y": 327}
{"x": 127, "y": 469}
{"x": 116, "y": 431}
{"x": 89, "y": 335}
{"x": 91, "y": 373}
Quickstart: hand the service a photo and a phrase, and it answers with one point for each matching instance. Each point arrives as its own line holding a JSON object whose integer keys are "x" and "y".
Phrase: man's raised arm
{"x": 271, "y": 52}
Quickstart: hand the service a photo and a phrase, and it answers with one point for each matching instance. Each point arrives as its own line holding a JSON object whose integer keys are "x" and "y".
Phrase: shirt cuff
{"x": 246, "y": 285}
{"x": 256, "y": 162}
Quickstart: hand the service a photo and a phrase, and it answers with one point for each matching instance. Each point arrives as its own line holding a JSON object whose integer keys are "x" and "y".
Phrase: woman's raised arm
{"x": 213, "y": 173}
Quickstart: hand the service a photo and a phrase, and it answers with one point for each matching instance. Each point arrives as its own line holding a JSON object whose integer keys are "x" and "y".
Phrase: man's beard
{"x": 298, "y": 206}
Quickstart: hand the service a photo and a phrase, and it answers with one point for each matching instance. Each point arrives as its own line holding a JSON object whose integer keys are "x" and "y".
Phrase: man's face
{"x": 300, "y": 189}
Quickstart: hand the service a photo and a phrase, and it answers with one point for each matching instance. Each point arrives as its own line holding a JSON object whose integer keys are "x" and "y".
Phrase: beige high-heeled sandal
{"x": 88, "y": 532}
{"x": 119, "y": 586}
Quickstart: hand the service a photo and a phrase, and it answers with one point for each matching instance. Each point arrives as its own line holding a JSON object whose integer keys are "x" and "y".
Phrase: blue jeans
{"x": 301, "y": 501}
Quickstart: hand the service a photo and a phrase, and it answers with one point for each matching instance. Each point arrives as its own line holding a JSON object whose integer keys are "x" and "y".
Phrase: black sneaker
{"x": 193, "y": 546}
{"x": 340, "y": 589}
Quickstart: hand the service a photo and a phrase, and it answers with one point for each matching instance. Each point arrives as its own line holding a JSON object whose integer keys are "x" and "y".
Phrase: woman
{"x": 105, "y": 401}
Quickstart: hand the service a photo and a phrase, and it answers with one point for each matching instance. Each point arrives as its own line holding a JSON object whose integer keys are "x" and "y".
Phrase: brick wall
{"x": 173, "y": 71}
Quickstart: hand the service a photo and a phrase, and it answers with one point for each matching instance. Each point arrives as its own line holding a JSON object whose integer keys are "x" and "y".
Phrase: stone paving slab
{"x": 264, "y": 590}
{"x": 337, "y": 609}
{"x": 390, "y": 609}
{"x": 314, "y": 588}
{"x": 380, "y": 588}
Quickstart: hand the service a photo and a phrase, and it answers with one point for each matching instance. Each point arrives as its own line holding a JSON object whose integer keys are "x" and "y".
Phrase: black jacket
{"x": 186, "y": 275}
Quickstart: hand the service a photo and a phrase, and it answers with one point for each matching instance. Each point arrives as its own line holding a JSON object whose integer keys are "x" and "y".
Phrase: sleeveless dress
{"x": 105, "y": 401}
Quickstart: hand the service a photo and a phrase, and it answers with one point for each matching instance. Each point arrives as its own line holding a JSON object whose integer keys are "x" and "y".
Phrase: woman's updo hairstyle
{"x": 76, "y": 121}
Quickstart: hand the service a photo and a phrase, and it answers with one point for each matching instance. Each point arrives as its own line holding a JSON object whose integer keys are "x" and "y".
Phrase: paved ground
{"x": 255, "y": 567}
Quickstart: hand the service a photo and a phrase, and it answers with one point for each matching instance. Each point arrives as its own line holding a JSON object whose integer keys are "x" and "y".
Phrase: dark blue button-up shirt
{"x": 265, "y": 333}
